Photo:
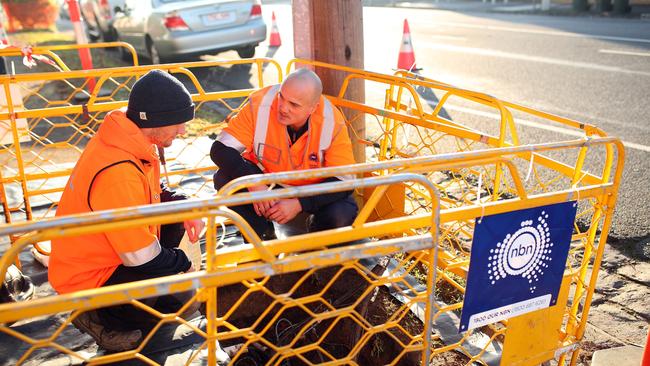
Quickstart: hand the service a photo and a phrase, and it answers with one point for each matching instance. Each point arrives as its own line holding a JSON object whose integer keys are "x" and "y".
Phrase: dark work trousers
{"x": 336, "y": 214}
{"x": 128, "y": 317}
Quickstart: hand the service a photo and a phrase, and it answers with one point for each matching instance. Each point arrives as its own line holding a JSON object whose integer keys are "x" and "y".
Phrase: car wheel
{"x": 154, "y": 56}
{"x": 246, "y": 52}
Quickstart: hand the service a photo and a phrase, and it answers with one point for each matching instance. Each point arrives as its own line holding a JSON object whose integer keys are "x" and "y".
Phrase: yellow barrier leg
{"x": 533, "y": 338}
{"x": 211, "y": 301}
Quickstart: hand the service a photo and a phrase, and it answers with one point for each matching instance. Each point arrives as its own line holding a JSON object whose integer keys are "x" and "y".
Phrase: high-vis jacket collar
{"x": 262, "y": 125}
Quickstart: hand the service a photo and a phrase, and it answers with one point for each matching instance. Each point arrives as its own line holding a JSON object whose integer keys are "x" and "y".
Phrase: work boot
{"x": 111, "y": 340}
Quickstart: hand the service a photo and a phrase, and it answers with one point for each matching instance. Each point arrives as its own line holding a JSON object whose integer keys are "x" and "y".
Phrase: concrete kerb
{"x": 621, "y": 356}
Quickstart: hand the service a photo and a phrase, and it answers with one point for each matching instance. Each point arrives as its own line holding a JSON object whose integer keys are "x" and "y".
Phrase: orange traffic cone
{"x": 275, "y": 40}
{"x": 645, "y": 361}
{"x": 406, "y": 60}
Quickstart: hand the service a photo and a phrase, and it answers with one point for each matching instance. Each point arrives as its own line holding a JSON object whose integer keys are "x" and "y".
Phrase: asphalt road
{"x": 594, "y": 70}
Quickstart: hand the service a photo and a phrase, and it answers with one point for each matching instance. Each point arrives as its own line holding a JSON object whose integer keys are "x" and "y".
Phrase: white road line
{"x": 539, "y": 31}
{"x": 636, "y": 146}
{"x": 451, "y": 38}
{"x": 541, "y": 126}
{"x": 546, "y": 60}
{"x": 629, "y": 53}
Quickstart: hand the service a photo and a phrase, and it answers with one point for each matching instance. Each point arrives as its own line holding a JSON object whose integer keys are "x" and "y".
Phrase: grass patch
{"x": 201, "y": 127}
{"x": 207, "y": 121}
{"x": 41, "y": 38}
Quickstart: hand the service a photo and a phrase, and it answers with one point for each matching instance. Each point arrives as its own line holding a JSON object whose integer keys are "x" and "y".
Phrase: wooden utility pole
{"x": 332, "y": 31}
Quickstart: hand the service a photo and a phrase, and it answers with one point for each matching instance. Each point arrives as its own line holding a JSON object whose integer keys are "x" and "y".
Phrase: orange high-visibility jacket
{"x": 326, "y": 142}
{"x": 118, "y": 168}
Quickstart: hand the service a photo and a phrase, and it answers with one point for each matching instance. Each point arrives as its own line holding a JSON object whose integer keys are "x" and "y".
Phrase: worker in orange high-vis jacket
{"x": 287, "y": 127}
{"x": 120, "y": 167}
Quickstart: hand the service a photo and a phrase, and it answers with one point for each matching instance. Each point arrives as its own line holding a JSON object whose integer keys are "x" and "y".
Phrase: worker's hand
{"x": 285, "y": 210}
{"x": 193, "y": 229}
{"x": 262, "y": 208}
{"x": 191, "y": 269}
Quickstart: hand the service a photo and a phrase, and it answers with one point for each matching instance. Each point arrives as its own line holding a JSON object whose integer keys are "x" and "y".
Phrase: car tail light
{"x": 256, "y": 11}
{"x": 174, "y": 22}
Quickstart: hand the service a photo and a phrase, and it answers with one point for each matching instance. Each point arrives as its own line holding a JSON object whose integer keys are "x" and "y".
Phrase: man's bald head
{"x": 308, "y": 81}
{"x": 298, "y": 98}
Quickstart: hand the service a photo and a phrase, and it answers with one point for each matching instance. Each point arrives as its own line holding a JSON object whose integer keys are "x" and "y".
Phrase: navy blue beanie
{"x": 158, "y": 99}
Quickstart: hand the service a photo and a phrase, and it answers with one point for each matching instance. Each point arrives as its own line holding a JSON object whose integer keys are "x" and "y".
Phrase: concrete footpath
{"x": 619, "y": 356}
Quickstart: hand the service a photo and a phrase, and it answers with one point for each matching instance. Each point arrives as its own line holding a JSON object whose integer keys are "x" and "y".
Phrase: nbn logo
{"x": 524, "y": 253}
{"x": 521, "y": 251}
{"x": 518, "y": 259}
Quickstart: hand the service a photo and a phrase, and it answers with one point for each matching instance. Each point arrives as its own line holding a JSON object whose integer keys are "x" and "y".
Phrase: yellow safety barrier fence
{"x": 99, "y": 52}
{"x": 319, "y": 312}
{"x": 44, "y": 133}
{"x": 478, "y": 163}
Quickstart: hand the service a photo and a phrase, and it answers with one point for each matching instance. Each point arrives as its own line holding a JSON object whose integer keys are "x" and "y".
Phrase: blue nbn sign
{"x": 517, "y": 263}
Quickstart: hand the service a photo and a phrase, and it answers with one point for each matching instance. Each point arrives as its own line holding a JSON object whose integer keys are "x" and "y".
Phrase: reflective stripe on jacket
{"x": 118, "y": 168}
{"x": 266, "y": 142}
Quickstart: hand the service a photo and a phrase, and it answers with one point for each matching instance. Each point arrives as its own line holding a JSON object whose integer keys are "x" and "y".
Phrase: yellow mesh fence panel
{"x": 66, "y": 57}
{"x": 294, "y": 306}
{"x": 327, "y": 305}
{"x": 59, "y": 116}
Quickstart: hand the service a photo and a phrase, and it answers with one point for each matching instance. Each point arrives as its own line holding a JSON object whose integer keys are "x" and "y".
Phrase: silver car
{"x": 166, "y": 30}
